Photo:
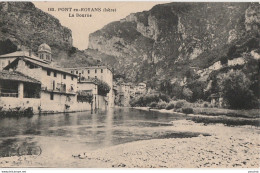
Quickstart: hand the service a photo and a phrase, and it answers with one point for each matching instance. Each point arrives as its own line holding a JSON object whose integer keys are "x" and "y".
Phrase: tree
{"x": 72, "y": 50}
{"x": 103, "y": 87}
{"x": 235, "y": 89}
{"x": 187, "y": 93}
{"x": 166, "y": 87}
{"x": 197, "y": 88}
{"x": 224, "y": 60}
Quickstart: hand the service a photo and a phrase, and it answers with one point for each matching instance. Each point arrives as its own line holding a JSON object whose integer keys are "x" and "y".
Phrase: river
{"x": 71, "y": 133}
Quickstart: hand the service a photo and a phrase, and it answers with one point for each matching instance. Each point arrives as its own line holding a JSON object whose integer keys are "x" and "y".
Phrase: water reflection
{"x": 72, "y": 132}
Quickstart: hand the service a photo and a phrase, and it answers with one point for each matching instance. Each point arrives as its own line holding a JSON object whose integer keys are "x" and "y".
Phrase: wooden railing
{"x": 9, "y": 94}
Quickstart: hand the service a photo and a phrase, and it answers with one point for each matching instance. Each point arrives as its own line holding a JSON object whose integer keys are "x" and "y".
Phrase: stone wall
{"x": 17, "y": 104}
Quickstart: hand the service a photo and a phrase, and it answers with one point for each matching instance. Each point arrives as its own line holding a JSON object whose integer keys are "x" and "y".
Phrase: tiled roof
{"x": 18, "y": 54}
{"x": 17, "y": 76}
{"x": 43, "y": 64}
{"x": 48, "y": 66}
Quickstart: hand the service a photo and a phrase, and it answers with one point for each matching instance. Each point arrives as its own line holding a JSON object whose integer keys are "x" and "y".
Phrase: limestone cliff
{"x": 164, "y": 42}
{"x": 24, "y": 25}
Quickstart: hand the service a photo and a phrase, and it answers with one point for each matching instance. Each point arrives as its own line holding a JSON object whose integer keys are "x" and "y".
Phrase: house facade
{"x": 89, "y": 87}
{"x": 57, "y": 87}
{"x": 19, "y": 92}
{"x": 100, "y": 72}
{"x": 8, "y": 58}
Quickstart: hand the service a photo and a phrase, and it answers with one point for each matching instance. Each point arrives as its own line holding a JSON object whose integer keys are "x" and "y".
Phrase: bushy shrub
{"x": 161, "y": 105}
{"x": 235, "y": 89}
{"x": 180, "y": 104}
{"x": 103, "y": 87}
{"x": 146, "y": 100}
{"x": 187, "y": 110}
{"x": 84, "y": 96}
{"x": 205, "y": 105}
{"x": 153, "y": 105}
{"x": 170, "y": 106}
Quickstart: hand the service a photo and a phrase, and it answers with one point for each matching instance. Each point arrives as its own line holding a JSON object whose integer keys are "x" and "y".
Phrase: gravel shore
{"x": 227, "y": 147}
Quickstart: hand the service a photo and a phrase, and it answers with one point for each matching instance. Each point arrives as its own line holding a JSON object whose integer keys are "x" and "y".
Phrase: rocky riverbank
{"x": 227, "y": 147}
{"x": 252, "y": 118}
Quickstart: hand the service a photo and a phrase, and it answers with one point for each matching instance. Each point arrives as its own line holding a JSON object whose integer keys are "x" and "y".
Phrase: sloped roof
{"x": 17, "y": 76}
{"x": 41, "y": 64}
{"x": 19, "y": 54}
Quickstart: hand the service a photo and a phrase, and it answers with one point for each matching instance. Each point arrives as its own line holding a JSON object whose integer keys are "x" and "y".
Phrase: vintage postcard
{"x": 129, "y": 84}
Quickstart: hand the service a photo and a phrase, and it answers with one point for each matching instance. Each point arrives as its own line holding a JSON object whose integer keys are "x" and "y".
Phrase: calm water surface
{"x": 72, "y": 133}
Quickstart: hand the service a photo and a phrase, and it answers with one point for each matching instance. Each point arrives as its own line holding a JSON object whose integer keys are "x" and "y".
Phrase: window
{"x": 55, "y": 74}
{"x": 72, "y": 72}
{"x": 77, "y": 72}
{"x": 101, "y": 70}
{"x": 51, "y": 96}
{"x": 64, "y": 76}
{"x": 72, "y": 77}
{"x": 48, "y": 72}
{"x": 95, "y": 70}
{"x": 82, "y": 71}
{"x": 95, "y": 77}
{"x": 88, "y": 71}
{"x": 88, "y": 77}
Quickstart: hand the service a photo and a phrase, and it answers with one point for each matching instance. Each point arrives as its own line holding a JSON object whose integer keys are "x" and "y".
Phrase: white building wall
{"x": 101, "y": 73}
{"x": 13, "y": 102}
{"x": 41, "y": 75}
{"x": 5, "y": 61}
{"x": 87, "y": 86}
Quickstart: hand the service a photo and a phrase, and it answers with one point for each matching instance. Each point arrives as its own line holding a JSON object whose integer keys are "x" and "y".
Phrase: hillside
{"x": 22, "y": 24}
{"x": 169, "y": 40}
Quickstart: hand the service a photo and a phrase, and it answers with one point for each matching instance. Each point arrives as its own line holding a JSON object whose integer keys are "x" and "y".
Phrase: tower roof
{"x": 44, "y": 48}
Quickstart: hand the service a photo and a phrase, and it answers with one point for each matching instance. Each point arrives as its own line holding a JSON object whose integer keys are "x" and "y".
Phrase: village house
{"x": 124, "y": 94}
{"x": 140, "y": 89}
{"x": 58, "y": 88}
{"x": 99, "y": 72}
{"x": 88, "y": 86}
{"x": 6, "y": 59}
{"x": 18, "y": 91}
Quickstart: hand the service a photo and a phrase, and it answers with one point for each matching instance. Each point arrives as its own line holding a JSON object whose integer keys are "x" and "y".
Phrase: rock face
{"x": 163, "y": 42}
{"x": 24, "y": 25}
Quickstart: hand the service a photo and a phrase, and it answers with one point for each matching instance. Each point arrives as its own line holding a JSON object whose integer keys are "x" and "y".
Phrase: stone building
{"x": 18, "y": 91}
{"x": 90, "y": 87}
{"x": 100, "y": 72}
{"x": 140, "y": 89}
{"x": 58, "y": 88}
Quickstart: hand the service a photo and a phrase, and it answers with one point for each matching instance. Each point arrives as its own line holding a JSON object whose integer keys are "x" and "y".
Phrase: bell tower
{"x": 44, "y": 52}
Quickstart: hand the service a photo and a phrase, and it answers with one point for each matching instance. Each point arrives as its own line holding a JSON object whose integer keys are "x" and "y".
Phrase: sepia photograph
{"x": 129, "y": 84}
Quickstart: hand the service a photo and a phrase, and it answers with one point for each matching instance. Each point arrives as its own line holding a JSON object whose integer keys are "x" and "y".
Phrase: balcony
{"x": 60, "y": 88}
{"x": 8, "y": 93}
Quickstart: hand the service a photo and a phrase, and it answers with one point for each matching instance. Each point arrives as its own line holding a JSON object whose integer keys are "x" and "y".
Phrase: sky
{"x": 81, "y": 27}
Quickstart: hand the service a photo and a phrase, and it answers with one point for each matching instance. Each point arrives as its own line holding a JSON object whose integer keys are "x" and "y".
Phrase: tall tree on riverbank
{"x": 235, "y": 89}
